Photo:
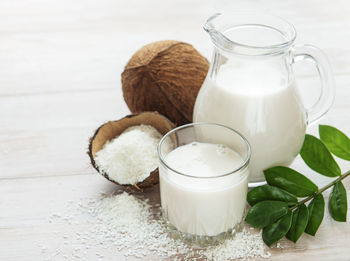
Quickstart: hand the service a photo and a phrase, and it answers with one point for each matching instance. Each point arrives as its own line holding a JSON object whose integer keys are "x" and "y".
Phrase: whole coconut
{"x": 164, "y": 76}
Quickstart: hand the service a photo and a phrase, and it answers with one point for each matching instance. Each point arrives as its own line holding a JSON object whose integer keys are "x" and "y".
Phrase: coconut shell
{"x": 112, "y": 129}
{"x": 164, "y": 76}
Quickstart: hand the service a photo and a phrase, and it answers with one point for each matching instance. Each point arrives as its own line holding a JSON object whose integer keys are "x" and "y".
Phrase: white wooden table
{"x": 60, "y": 66}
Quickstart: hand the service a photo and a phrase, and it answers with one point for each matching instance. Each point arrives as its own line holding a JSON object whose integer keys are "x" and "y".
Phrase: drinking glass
{"x": 203, "y": 209}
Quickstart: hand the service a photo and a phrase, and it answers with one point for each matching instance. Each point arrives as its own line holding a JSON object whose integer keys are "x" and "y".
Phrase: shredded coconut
{"x": 244, "y": 246}
{"x": 129, "y": 224}
{"x": 132, "y": 156}
{"x": 134, "y": 227}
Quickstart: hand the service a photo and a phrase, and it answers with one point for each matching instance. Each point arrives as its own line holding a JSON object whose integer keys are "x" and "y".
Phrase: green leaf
{"x": 338, "y": 204}
{"x": 316, "y": 155}
{"x": 274, "y": 232}
{"x": 316, "y": 213}
{"x": 290, "y": 180}
{"x": 267, "y": 192}
{"x": 299, "y": 223}
{"x": 336, "y": 141}
{"x": 266, "y": 212}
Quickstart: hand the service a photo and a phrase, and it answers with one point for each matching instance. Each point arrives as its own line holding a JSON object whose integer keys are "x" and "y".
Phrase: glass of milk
{"x": 250, "y": 86}
{"x": 203, "y": 181}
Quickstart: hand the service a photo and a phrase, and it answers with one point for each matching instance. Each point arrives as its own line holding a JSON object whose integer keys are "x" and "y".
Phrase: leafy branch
{"x": 321, "y": 190}
{"x": 275, "y": 207}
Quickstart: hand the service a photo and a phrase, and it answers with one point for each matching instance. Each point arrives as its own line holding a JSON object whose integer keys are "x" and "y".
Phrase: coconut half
{"x": 112, "y": 129}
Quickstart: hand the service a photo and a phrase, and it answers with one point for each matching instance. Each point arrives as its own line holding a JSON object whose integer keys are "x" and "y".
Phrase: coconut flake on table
{"x": 243, "y": 245}
{"x": 127, "y": 224}
{"x": 132, "y": 156}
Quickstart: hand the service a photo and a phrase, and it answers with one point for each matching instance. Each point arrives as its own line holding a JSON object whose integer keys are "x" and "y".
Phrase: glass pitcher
{"x": 250, "y": 87}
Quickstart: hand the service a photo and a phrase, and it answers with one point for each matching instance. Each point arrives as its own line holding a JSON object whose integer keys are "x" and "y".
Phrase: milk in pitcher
{"x": 254, "y": 98}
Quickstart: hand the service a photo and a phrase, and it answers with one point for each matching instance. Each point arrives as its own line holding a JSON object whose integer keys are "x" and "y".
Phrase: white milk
{"x": 253, "y": 98}
{"x": 203, "y": 206}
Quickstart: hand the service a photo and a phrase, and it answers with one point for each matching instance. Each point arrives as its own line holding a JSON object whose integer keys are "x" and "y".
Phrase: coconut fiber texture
{"x": 164, "y": 76}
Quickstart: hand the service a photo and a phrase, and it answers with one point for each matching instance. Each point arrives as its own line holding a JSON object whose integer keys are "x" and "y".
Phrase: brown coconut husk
{"x": 112, "y": 129}
{"x": 164, "y": 76}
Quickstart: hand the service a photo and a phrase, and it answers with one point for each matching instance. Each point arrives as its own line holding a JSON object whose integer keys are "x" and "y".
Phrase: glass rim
{"x": 243, "y": 165}
{"x": 209, "y": 27}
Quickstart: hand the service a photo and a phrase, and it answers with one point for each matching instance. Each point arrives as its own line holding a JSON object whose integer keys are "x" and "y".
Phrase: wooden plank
{"x": 47, "y": 134}
{"x": 81, "y": 109}
{"x": 27, "y": 230}
{"x": 31, "y": 113}
{"x": 27, "y": 205}
{"x": 63, "y": 46}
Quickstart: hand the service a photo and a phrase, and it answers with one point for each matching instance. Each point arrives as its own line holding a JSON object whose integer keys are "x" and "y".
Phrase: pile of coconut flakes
{"x": 133, "y": 227}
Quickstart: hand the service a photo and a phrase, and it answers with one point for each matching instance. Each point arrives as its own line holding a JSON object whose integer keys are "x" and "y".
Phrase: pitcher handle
{"x": 327, "y": 94}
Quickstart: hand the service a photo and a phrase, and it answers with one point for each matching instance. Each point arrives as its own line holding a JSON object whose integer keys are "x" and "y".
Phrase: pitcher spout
{"x": 272, "y": 36}
{"x": 215, "y": 34}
